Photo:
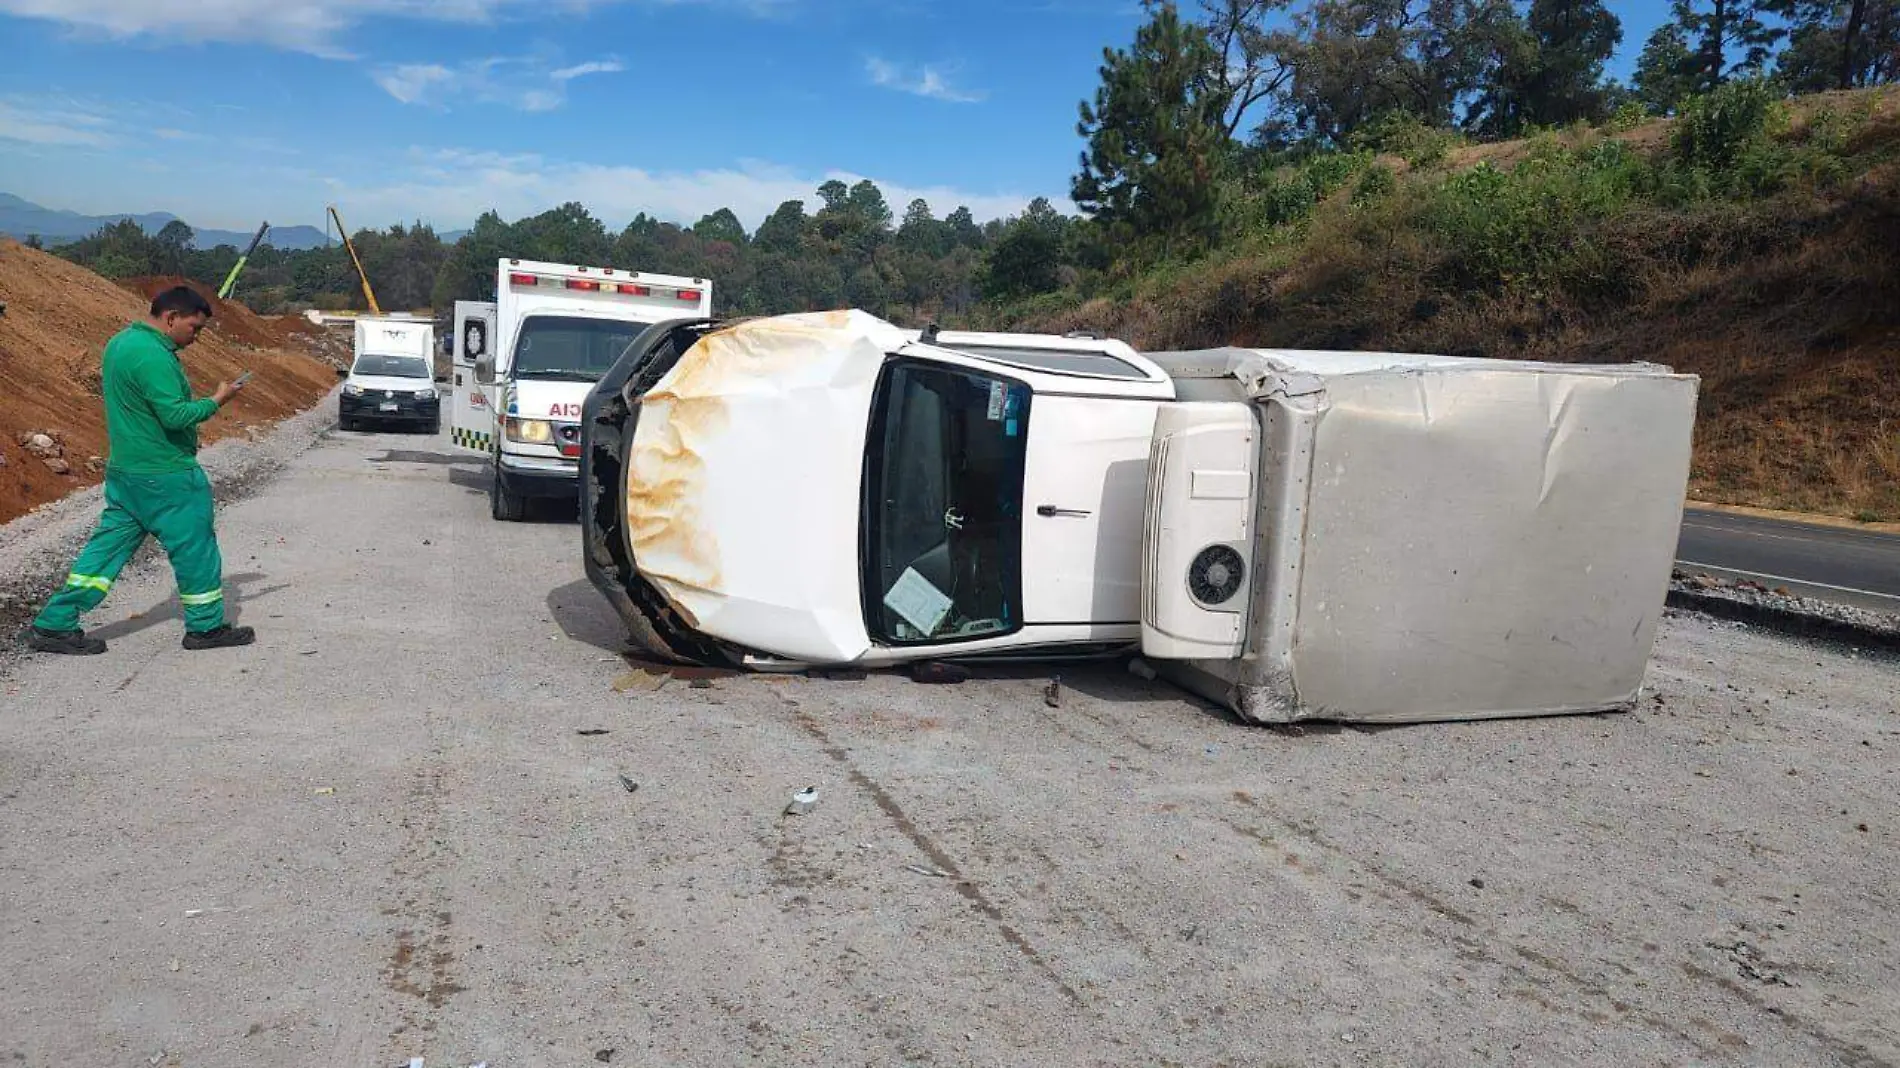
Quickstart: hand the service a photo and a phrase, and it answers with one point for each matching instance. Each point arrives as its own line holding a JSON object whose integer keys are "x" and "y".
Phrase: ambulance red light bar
{"x": 519, "y": 279}
{"x": 581, "y": 283}
{"x": 689, "y": 295}
{"x": 634, "y": 291}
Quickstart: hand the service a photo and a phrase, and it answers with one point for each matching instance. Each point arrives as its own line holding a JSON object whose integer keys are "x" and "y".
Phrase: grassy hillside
{"x": 1754, "y": 243}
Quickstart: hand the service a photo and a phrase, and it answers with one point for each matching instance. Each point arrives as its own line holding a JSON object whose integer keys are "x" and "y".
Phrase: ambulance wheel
{"x": 504, "y": 506}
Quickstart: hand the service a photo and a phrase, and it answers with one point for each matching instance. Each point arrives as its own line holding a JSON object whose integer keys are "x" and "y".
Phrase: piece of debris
{"x": 592, "y": 732}
{"x": 156, "y": 1058}
{"x": 803, "y": 801}
{"x": 639, "y": 681}
{"x": 1862, "y": 828}
{"x": 1477, "y": 884}
{"x": 604, "y": 1055}
{"x": 1750, "y": 965}
{"x": 930, "y": 872}
{"x": 1704, "y": 582}
{"x": 176, "y": 964}
{"x": 57, "y": 465}
{"x": 1052, "y": 693}
{"x": 95, "y": 464}
{"x": 700, "y": 684}
{"x": 629, "y": 784}
{"x": 939, "y": 673}
{"x": 1141, "y": 669}
{"x": 324, "y": 791}
{"x": 840, "y": 674}
{"x": 415, "y": 1062}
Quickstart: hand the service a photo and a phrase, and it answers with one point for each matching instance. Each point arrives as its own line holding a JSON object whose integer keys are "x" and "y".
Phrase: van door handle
{"x": 1052, "y": 511}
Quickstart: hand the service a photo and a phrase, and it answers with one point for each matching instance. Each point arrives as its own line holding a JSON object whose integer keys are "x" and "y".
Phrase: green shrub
{"x": 1376, "y": 184}
{"x": 1628, "y": 116}
{"x": 1716, "y": 129}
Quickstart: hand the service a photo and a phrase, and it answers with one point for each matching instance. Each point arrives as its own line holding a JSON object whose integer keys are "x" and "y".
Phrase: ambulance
{"x": 524, "y": 363}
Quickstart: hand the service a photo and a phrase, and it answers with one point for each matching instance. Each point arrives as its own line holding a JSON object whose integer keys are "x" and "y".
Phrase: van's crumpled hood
{"x": 743, "y": 482}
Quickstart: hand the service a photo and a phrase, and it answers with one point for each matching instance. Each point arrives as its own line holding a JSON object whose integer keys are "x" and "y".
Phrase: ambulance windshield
{"x": 571, "y": 348}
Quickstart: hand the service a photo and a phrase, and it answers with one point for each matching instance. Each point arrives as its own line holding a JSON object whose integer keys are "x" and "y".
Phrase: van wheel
{"x": 504, "y": 506}
{"x": 346, "y": 424}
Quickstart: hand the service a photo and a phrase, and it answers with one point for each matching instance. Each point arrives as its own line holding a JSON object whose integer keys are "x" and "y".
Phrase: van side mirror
{"x": 343, "y": 372}
{"x": 485, "y": 370}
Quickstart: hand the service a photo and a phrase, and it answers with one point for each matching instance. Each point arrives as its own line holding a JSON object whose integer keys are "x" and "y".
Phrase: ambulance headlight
{"x": 530, "y": 431}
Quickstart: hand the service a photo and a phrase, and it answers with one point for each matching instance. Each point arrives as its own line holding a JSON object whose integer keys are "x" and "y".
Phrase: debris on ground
{"x": 938, "y": 673}
{"x": 1141, "y": 669}
{"x": 803, "y": 801}
{"x": 933, "y": 873}
{"x": 1750, "y": 964}
{"x": 640, "y": 682}
{"x": 1052, "y": 693}
{"x": 604, "y": 1055}
{"x": 592, "y": 732}
{"x": 628, "y": 784}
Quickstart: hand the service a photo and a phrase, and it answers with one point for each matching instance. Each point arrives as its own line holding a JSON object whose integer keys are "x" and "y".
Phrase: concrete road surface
{"x": 1841, "y": 564}
{"x": 395, "y": 829}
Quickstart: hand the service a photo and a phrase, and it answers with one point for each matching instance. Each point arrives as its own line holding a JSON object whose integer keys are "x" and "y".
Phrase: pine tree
{"x": 1156, "y": 135}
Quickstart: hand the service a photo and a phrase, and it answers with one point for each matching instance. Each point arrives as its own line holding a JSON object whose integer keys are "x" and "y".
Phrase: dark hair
{"x": 181, "y": 300}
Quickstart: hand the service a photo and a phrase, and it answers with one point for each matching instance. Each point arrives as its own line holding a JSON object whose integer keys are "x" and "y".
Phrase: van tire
{"x": 504, "y": 506}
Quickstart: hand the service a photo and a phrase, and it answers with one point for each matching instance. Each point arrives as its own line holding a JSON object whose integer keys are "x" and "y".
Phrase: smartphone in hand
{"x": 241, "y": 379}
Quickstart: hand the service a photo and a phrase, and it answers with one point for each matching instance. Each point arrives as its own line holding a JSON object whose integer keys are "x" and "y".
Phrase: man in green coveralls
{"x": 153, "y": 484}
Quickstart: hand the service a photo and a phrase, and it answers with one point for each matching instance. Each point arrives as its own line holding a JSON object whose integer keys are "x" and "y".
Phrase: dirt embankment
{"x": 58, "y": 319}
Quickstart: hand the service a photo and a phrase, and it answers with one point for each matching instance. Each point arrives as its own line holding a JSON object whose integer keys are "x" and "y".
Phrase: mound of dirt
{"x": 229, "y": 319}
{"x": 59, "y": 317}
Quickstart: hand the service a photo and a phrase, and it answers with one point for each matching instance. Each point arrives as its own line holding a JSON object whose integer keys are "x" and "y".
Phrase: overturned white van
{"x": 1296, "y": 535}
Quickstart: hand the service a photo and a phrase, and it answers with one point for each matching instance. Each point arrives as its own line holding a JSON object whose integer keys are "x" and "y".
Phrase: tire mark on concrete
{"x": 1529, "y": 964}
{"x": 944, "y": 862}
{"x": 420, "y": 965}
{"x": 1853, "y": 1054}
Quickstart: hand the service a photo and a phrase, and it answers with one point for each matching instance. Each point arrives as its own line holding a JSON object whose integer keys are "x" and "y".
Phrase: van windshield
{"x": 943, "y": 505}
{"x": 562, "y": 346}
{"x": 392, "y": 366}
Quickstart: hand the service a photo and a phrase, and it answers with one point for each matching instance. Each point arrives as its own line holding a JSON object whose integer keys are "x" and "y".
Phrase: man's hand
{"x": 225, "y": 392}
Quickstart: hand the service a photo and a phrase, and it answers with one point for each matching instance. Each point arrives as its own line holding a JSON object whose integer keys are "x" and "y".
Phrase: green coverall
{"x": 153, "y": 485}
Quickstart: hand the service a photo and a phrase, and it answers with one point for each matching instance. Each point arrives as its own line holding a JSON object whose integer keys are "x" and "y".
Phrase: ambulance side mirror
{"x": 485, "y": 370}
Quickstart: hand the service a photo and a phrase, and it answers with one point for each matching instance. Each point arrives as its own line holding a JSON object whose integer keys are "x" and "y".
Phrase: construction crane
{"x": 368, "y": 293}
{"x": 230, "y": 280}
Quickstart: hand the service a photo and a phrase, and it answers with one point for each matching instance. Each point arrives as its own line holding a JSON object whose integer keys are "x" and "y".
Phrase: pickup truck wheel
{"x": 504, "y": 506}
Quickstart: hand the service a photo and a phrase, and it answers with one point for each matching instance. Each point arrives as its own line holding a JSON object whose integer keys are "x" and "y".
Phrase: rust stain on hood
{"x": 686, "y": 428}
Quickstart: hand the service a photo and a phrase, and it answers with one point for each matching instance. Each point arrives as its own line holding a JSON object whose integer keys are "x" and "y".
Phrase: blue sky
{"x": 227, "y": 112}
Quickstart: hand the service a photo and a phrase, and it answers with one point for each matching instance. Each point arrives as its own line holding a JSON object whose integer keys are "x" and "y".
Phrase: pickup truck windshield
{"x": 560, "y": 346}
{"x": 943, "y": 505}
{"x": 391, "y": 366}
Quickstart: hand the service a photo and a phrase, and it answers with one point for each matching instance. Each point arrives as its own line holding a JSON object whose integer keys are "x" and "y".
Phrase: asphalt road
{"x": 396, "y": 828}
{"x": 1858, "y": 567}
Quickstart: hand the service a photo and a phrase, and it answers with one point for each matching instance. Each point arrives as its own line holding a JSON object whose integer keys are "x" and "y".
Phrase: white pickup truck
{"x": 524, "y": 363}
{"x": 1338, "y": 535}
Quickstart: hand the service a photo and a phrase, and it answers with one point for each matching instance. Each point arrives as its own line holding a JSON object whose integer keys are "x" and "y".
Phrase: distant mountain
{"x": 20, "y": 219}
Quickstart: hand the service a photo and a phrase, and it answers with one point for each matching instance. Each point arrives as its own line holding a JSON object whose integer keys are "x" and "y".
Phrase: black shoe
{"x": 69, "y": 642}
{"x": 223, "y": 637}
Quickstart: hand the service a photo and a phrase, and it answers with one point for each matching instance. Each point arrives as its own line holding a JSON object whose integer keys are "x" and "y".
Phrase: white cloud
{"x": 582, "y": 70}
{"x": 452, "y": 187}
{"x": 929, "y": 80}
{"x": 522, "y": 82}
{"x": 314, "y": 26}
{"x": 52, "y": 123}
{"x": 412, "y": 82}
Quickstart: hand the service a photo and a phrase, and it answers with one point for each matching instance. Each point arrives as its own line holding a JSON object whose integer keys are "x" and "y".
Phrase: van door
{"x": 1084, "y": 498}
{"x": 472, "y": 424}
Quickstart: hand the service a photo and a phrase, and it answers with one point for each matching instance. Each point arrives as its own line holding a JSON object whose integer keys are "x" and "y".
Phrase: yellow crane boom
{"x": 368, "y": 293}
